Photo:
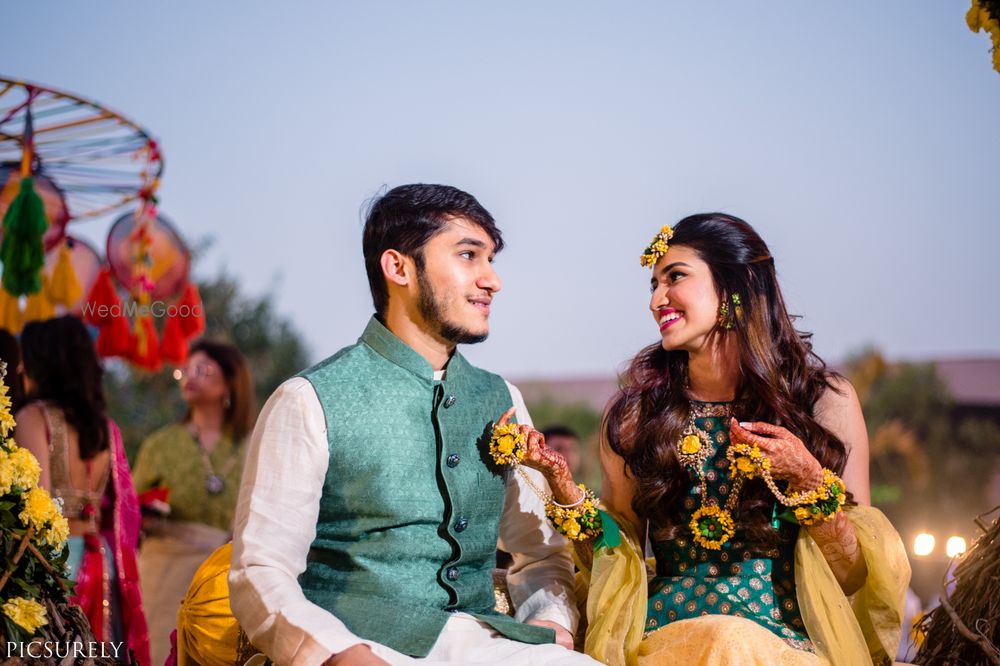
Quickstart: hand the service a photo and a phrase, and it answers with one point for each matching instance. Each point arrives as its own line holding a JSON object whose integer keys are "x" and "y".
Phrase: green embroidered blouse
{"x": 692, "y": 581}
{"x": 171, "y": 457}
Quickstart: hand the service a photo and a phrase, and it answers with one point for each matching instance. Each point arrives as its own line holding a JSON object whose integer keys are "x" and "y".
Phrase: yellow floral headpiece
{"x": 657, "y": 248}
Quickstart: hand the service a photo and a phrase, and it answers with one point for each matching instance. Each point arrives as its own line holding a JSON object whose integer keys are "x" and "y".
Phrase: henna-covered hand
{"x": 790, "y": 459}
{"x": 550, "y": 463}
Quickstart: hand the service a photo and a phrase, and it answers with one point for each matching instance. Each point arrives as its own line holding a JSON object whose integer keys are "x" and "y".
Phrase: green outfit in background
{"x": 170, "y": 457}
{"x": 199, "y": 521}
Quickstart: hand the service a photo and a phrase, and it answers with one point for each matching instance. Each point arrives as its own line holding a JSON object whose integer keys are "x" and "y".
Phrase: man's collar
{"x": 388, "y": 345}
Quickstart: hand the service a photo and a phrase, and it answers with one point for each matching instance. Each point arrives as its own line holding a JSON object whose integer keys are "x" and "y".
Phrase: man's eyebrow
{"x": 475, "y": 242}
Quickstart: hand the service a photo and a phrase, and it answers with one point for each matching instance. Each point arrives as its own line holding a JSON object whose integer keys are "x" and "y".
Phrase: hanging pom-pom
{"x": 39, "y": 306}
{"x": 191, "y": 311}
{"x": 113, "y": 337}
{"x": 145, "y": 348}
{"x": 102, "y": 302}
{"x": 10, "y": 313}
{"x": 64, "y": 288}
{"x": 173, "y": 346}
{"x": 22, "y": 251}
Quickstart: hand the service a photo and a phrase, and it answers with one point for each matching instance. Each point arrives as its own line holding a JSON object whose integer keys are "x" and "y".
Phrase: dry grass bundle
{"x": 965, "y": 628}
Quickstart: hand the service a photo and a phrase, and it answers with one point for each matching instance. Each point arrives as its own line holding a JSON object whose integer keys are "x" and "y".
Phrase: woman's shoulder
{"x": 33, "y": 415}
{"x": 33, "y": 409}
{"x": 838, "y": 408}
{"x": 838, "y": 395}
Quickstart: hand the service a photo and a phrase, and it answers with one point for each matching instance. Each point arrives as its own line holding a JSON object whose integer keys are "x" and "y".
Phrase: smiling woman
{"x": 726, "y": 446}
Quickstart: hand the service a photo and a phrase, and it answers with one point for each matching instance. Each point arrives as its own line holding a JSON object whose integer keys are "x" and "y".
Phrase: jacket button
{"x": 451, "y": 574}
{"x": 453, "y": 460}
{"x": 449, "y": 401}
{"x": 461, "y": 525}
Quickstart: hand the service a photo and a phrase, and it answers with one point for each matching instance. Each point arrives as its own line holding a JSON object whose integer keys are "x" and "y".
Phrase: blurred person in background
{"x": 564, "y": 441}
{"x": 198, "y": 462}
{"x": 79, "y": 448}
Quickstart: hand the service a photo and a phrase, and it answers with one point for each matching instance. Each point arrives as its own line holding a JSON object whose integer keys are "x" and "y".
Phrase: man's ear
{"x": 397, "y": 268}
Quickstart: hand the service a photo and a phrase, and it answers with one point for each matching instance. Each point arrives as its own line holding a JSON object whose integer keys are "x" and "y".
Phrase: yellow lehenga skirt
{"x": 861, "y": 630}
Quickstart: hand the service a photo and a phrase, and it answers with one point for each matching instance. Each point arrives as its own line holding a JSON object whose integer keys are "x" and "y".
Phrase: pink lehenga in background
{"x": 103, "y": 561}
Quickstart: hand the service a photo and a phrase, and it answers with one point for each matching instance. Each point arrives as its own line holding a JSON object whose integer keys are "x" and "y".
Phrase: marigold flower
{"x": 25, "y": 468}
{"x": 571, "y": 528}
{"x": 39, "y": 509}
{"x": 26, "y": 613}
{"x": 690, "y": 445}
{"x": 6, "y": 473}
{"x": 57, "y": 532}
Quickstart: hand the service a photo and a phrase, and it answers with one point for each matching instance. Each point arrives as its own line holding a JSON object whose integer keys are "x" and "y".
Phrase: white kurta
{"x": 276, "y": 518}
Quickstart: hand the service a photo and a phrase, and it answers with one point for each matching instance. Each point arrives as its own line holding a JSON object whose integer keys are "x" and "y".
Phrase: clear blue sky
{"x": 861, "y": 139}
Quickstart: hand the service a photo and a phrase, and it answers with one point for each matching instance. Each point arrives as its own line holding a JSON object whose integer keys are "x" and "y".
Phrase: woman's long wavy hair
{"x": 60, "y": 359}
{"x": 780, "y": 382}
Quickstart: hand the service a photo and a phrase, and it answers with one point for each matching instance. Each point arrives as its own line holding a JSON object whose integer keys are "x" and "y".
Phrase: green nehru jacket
{"x": 411, "y": 504}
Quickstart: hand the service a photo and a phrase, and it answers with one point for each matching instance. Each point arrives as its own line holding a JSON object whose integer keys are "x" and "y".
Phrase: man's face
{"x": 457, "y": 282}
{"x": 568, "y": 447}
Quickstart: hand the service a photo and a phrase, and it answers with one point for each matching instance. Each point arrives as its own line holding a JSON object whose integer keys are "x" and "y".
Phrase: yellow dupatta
{"x": 862, "y": 630}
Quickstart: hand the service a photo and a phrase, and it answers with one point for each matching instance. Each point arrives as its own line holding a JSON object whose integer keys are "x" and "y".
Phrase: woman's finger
{"x": 506, "y": 416}
{"x": 762, "y": 428}
{"x": 740, "y": 433}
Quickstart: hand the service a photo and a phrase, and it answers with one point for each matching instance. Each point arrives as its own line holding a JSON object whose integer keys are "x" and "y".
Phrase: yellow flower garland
{"x": 712, "y": 526}
{"x": 810, "y": 507}
{"x": 508, "y": 445}
{"x": 657, "y": 247}
{"x": 576, "y": 522}
{"x": 979, "y": 18}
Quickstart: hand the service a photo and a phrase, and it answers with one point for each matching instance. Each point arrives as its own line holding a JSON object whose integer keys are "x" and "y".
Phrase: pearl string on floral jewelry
{"x": 577, "y": 521}
{"x": 810, "y": 508}
{"x": 711, "y": 525}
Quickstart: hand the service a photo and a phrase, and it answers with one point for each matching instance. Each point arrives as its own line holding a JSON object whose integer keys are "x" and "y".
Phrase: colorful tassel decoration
{"x": 64, "y": 288}
{"x": 102, "y": 301}
{"x": 191, "y": 311}
{"x": 173, "y": 346}
{"x": 10, "y": 313}
{"x": 113, "y": 338}
{"x": 145, "y": 348}
{"x": 22, "y": 251}
{"x": 39, "y": 306}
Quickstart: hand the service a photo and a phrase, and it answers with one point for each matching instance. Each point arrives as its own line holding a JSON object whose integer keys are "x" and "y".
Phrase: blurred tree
{"x": 142, "y": 401}
{"x": 928, "y": 466}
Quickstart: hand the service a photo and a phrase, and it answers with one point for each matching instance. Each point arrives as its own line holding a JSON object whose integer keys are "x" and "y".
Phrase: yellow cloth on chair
{"x": 207, "y": 632}
{"x": 861, "y": 631}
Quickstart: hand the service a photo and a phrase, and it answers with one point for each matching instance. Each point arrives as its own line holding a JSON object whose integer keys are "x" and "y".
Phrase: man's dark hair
{"x": 405, "y": 218}
{"x": 559, "y": 431}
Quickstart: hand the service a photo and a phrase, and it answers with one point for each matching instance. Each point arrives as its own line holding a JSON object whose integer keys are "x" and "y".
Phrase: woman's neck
{"x": 207, "y": 423}
{"x": 714, "y": 374}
